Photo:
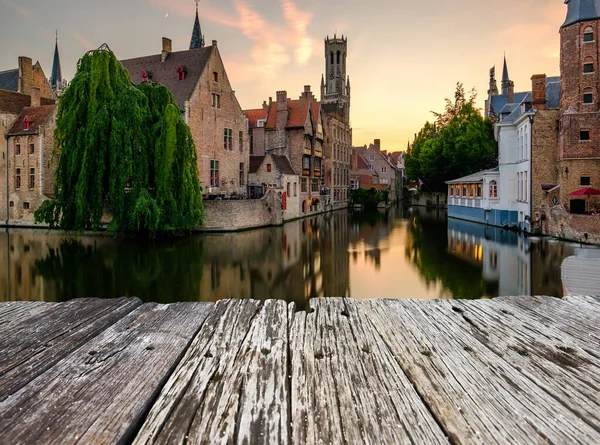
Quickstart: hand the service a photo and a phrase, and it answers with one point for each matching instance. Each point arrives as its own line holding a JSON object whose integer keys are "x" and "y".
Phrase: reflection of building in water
{"x": 369, "y": 234}
{"x": 504, "y": 256}
{"x": 336, "y": 258}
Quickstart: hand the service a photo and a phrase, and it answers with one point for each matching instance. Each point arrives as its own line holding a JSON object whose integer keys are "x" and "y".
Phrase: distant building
{"x": 384, "y": 171}
{"x": 498, "y": 99}
{"x": 198, "y": 81}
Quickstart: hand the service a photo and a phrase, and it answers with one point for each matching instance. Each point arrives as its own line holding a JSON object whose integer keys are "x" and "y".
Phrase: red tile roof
{"x": 254, "y": 115}
{"x": 298, "y": 113}
{"x": 316, "y": 107}
{"x": 35, "y": 115}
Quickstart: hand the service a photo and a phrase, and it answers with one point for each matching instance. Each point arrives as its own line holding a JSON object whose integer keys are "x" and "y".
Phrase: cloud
{"x": 19, "y": 8}
{"x": 299, "y": 22}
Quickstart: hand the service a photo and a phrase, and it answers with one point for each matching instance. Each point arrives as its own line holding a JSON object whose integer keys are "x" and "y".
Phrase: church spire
{"x": 56, "y": 78}
{"x": 505, "y": 78}
{"x": 197, "y": 37}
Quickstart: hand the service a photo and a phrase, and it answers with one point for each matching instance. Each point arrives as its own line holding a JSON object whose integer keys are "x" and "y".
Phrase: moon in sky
{"x": 167, "y": 14}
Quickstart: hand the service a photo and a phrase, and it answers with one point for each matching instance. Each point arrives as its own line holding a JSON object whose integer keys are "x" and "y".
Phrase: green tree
{"x": 123, "y": 150}
{"x": 459, "y": 143}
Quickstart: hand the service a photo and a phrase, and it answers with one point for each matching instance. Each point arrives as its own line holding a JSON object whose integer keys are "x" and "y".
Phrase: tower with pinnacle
{"x": 57, "y": 82}
{"x": 197, "y": 40}
{"x": 335, "y": 84}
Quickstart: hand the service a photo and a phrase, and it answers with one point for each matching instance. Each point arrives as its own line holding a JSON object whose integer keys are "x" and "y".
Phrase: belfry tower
{"x": 335, "y": 84}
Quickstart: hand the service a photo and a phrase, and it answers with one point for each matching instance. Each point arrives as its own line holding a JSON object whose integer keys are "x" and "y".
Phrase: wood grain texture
{"x": 13, "y": 313}
{"x": 45, "y": 334}
{"x": 101, "y": 392}
{"x": 231, "y": 387}
{"x": 347, "y": 387}
{"x": 477, "y": 396}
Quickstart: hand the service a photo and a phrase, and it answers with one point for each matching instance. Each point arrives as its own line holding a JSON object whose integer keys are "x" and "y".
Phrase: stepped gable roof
{"x": 580, "y": 10}
{"x": 192, "y": 61}
{"x": 255, "y": 163}
{"x": 254, "y": 115}
{"x": 283, "y": 164}
{"x": 474, "y": 177}
{"x": 9, "y": 80}
{"x": 13, "y": 102}
{"x": 35, "y": 115}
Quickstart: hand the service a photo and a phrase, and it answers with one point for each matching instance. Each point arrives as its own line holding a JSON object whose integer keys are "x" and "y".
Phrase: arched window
{"x": 339, "y": 56}
{"x": 588, "y": 34}
{"x": 588, "y": 96}
{"x": 493, "y": 189}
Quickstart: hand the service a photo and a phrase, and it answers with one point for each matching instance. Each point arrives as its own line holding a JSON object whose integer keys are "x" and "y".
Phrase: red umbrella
{"x": 586, "y": 191}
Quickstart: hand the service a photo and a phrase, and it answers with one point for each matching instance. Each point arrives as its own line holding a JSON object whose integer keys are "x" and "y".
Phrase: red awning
{"x": 585, "y": 191}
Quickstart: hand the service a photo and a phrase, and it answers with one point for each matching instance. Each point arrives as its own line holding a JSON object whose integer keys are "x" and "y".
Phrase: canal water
{"x": 404, "y": 253}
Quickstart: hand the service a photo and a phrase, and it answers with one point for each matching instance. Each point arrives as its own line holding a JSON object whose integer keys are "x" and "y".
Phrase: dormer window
{"x": 588, "y": 34}
{"x": 180, "y": 73}
{"x": 26, "y": 123}
{"x": 144, "y": 76}
{"x": 215, "y": 76}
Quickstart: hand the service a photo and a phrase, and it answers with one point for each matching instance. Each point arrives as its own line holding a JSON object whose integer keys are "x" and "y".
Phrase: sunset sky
{"x": 404, "y": 57}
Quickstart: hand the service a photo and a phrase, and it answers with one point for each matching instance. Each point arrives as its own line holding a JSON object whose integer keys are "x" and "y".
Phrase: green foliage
{"x": 369, "y": 199}
{"x": 459, "y": 143}
{"x": 123, "y": 151}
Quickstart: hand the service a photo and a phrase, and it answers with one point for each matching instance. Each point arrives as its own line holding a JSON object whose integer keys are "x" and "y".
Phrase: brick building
{"x": 361, "y": 174}
{"x": 384, "y": 171}
{"x": 198, "y": 81}
{"x": 578, "y": 157}
{"x": 335, "y": 99}
{"x": 27, "y": 127}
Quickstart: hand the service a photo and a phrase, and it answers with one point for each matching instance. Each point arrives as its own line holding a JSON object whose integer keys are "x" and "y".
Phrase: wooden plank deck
{"x": 514, "y": 370}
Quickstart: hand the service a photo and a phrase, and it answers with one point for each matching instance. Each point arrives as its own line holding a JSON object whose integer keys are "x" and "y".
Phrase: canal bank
{"x": 403, "y": 253}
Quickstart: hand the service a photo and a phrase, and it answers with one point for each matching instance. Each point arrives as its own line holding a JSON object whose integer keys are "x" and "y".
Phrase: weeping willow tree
{"x": 124, "y": 151}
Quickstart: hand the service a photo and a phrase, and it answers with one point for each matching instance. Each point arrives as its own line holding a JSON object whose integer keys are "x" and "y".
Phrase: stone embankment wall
{"x": 581, "y": 228}
{"x": 430, "y": 199}
{"x": 228, "y": 215}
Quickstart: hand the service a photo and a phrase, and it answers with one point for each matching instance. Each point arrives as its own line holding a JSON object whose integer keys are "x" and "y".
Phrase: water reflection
{"x": 407, "y": 253}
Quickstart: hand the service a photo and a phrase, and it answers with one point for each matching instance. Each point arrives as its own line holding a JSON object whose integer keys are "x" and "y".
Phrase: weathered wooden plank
{"x": 475, "y": 395}
{"x": 346, "y": 385}
{"x": 100, "y": 393}
{"x": 13, "y": 313}
{"x": 572, "y": 319}
{"x": 50, "y": 333}
{"x": 541, "y": 353}
{"x": 231, "y": 387}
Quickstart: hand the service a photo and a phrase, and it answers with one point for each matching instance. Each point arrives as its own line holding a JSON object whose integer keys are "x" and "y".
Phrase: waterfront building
{"x": 384, "y": 177}
{"x": 27, "y": 113}
{"x": 361, "y": 175}
{"x": 275, "y": 172}
{"x": 335, "y": 99}
{"x": 198, "y": 80}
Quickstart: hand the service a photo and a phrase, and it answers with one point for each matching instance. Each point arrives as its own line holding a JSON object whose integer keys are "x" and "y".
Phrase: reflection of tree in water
{"x": 159, "y": 271}
{"x": 427, "y": 248}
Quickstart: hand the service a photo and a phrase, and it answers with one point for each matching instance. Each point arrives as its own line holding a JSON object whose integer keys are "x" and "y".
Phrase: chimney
{"x": 214, "y": 43}
{"x": 35, "y": 97}
{"x": 377, "y": 144}
{"x": 25, "y": 75}
{"x": 265, "y": 105}
{"x": 538, "y": 91}
{"x": 511, "y": 92}
{"x": 167, "y": 48}
{"x": 282, "y": 110}
{"x": 353, "y": 159}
